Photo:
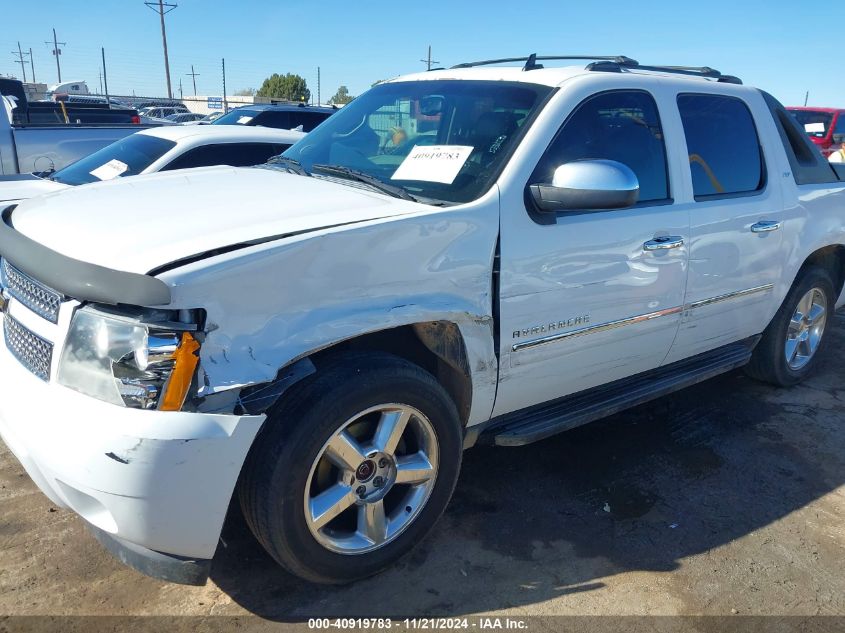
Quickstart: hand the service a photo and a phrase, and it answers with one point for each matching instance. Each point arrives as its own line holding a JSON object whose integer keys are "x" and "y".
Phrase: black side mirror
{"x": 588, "y": 184}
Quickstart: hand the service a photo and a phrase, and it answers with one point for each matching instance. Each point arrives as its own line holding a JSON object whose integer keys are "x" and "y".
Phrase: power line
{"x": 159, "y": 7}
{"x": 225, "y": 103}
{"x": 193, "y": 76}
{"x": 428, "y": 60}
{"x": 20, "y": 55}
{"x": 57, "y": 52}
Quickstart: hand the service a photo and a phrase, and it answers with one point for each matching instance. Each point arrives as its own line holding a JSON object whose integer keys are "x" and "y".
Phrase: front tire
{"x": 353, "y": 469}
{"x": 790, "y": 346}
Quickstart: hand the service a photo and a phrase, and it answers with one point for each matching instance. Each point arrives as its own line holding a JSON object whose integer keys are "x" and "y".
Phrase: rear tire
{"x": 359, "y": 432}
{"x": 790, "y": 346}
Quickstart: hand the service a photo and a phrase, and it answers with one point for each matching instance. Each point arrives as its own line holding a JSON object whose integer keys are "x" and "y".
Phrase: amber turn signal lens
{"x": 186, "y": 360}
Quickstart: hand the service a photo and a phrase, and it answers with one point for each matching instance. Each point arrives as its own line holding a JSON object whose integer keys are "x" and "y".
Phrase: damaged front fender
{"x": 271, "y": 304}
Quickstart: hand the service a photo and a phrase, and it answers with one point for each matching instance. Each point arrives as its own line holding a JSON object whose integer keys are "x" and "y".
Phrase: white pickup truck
{"x": 487, "y": 253}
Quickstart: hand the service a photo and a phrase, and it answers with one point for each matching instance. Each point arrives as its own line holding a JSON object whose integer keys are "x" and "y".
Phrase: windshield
{"x": 815, "y": 122}
{"x": 238, "y": 116}
{"x": 442, "y": 139}
{"x": 126, "y": 157}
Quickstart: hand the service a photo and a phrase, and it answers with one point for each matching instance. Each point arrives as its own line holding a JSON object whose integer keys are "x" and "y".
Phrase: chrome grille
{"x": 37, "y": 297}
{"x": 31, "y": 350}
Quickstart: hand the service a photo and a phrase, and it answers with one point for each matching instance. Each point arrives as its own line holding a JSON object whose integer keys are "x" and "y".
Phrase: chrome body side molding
{"x": 602, "y": 327}
{"x": 612, "y": 325}
{"x": 730, "y": 295}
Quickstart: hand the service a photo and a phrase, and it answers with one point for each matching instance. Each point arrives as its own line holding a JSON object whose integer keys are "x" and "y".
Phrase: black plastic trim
{"x": 169, "y": 567}
{"x": 810, "y": 167}
{"x": 75, "y": 278}
{"x": 533, "y": 58}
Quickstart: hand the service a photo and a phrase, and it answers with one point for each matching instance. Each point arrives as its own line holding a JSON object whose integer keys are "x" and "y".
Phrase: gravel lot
{"x": 726, "y": 498}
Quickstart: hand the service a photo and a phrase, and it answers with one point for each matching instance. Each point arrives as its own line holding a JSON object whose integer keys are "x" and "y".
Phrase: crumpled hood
{"x": 140, "y": 223}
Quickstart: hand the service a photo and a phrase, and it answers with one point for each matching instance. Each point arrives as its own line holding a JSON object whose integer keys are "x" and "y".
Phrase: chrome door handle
{"x": 664, "y": 243}
{"x": 765, "y": 226}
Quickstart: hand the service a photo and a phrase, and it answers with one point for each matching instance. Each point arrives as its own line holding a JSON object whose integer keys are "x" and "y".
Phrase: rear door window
{"x": 722, "y": 145}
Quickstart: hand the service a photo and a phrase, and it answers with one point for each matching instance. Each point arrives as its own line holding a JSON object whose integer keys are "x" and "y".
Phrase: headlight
{"x": 128, "y": 363}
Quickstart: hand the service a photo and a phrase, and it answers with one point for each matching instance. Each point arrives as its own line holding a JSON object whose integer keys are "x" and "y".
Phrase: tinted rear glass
{"x": 815, "y": 123}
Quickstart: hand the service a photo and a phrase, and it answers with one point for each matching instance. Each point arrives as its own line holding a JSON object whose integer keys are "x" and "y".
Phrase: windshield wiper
{"x": 288, "y": 164}
{"x": 360, "y": 176}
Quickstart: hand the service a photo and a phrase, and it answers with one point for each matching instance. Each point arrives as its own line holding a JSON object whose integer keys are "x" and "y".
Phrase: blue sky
{"x": 787, "y": 48}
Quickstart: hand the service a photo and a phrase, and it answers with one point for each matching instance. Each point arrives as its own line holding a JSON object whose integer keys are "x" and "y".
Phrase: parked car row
{"x": 157, "y": 149}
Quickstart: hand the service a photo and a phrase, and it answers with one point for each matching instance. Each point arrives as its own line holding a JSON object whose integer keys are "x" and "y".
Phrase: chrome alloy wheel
{"x": 371, "y": 479}
{"x": 806, "y": 329}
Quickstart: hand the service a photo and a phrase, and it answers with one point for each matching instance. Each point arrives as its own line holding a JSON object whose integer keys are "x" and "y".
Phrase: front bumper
{"x": 153, "y": 483}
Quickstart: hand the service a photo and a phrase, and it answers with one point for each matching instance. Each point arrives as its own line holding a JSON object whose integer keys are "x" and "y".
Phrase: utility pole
{"x": 105, "y": 76}
{"x": 160, "y": 7}
{"x": 56, "y": 52}
{"x": 193, "y": 76}
{"x": 428, "y": 61}
{"x": 225, "y": 103}
{"x": 32, "y": 65}
{"x": 20, "y": 61}
{"x": 180, "y": 88}
{"x": 319, "y": 101}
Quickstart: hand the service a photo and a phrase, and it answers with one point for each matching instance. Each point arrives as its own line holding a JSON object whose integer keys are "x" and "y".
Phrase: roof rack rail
{"x": 692, "y": 71}
{"x": 608, "y": 63}
{"x": 531, "y": 60}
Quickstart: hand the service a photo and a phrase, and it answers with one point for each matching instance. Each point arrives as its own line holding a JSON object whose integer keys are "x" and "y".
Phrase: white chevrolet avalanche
{"x": 488, "y": 254}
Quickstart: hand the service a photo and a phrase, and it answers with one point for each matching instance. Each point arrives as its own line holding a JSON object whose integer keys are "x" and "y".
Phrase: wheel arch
{"x": 441, "y": 347}
{"x": 436, "y": 346}
{"x": 830, "y": 258}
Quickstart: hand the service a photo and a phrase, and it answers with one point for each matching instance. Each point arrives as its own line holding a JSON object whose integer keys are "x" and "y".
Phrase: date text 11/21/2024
{"x": 432, "y": 624}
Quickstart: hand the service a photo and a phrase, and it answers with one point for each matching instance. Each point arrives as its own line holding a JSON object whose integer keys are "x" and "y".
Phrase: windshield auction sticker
{"x": 433, "y": 163}
{"x": 111, "y": 169}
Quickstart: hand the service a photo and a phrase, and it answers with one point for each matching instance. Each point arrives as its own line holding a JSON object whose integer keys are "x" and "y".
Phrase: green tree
{"x": 341, "y": 96}
{"x": 288, "y": 86}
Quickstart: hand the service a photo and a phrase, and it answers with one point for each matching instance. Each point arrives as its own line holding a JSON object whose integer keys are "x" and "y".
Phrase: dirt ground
{"x": 727, "y": 498}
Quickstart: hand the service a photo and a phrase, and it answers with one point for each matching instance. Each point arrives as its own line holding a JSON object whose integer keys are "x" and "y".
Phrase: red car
{"x": 826, "y": 126}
